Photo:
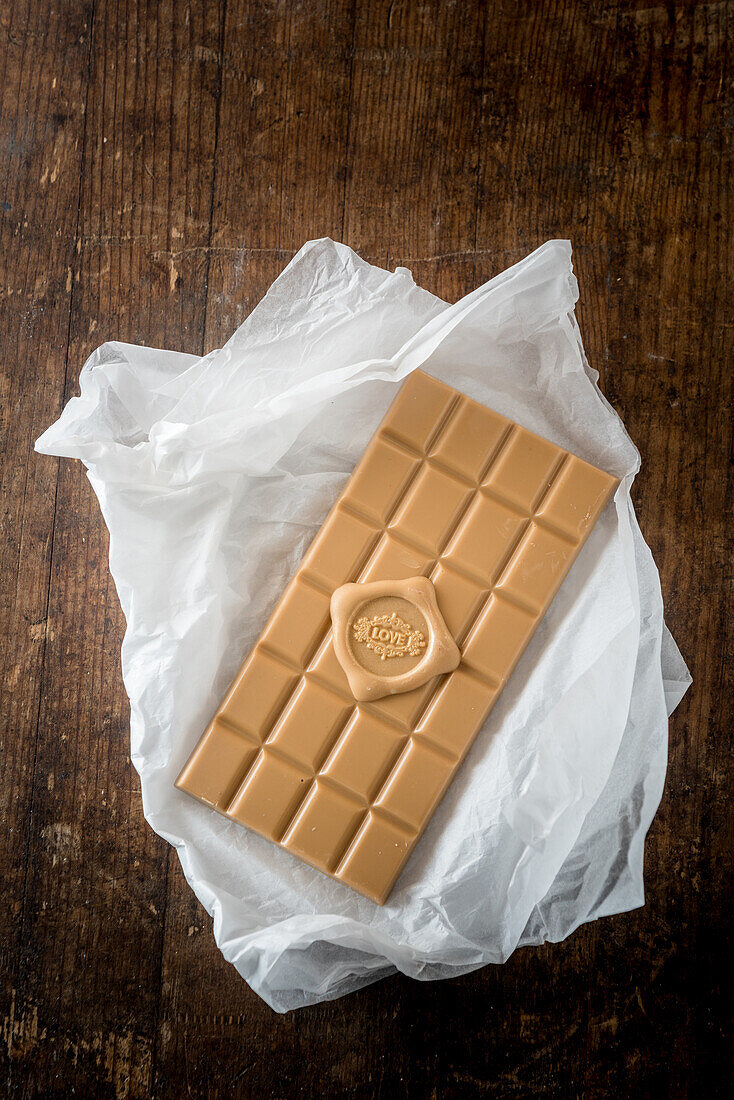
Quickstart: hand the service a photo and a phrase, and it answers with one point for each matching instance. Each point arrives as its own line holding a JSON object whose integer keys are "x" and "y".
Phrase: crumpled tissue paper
{"x": 214, "y": 474}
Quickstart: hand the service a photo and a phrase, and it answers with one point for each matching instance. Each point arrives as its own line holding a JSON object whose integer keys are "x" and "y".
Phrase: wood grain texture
{"x": 160, "y": 162}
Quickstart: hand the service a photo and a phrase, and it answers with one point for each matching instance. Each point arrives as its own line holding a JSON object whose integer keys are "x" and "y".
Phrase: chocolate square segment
{"x": 449, "y": 490}
{"x": 312, "y": 718}
{"x": 524, "y": 470}
{"x": 471, "y": 439}
{"x": 575, "y": 499}
{"x": 214, "y": 769}
{"x": 498, "y": 638}
{"x": 459, "y": 597}
{"x": 339, "y": 548}
{"x": 429, "y": 513}
{"x": 376, "y": 856}
{"x": 417, "y": 415}
{"x": 482, "y": 544}
{"x": 456, "y": 714}
{"x": 324, "y": 825}
{"x": 415, "y": 785}
{"x": 396, "y": 560}
{"x": 257, "y": 694}
{"x": 364, "y": 754}
{"x": 379, "y": 480}
{"x": 269, "y": 796}
{"x": 537, "y": 569}
{"x": 298, "y": 624}
{"x": 403, "y": 709}
{"x": 327, "y": 669}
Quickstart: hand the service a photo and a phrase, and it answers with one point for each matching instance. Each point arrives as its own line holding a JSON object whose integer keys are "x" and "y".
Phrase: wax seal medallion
{"x": 389, "y": 636}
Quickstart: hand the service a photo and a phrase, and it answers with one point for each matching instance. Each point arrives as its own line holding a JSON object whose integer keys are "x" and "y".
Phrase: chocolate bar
{"x": 437, "y": 562}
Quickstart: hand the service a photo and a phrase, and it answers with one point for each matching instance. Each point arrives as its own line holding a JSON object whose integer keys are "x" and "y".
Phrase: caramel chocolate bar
{"x": 337, "y": 739}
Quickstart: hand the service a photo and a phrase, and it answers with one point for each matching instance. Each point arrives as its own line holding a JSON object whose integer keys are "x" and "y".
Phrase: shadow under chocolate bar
{"x": 494, "y": 516}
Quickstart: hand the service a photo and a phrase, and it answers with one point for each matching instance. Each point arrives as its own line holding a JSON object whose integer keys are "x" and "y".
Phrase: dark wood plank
{"x": 411, "y": 195}
{"x": 44, "y": 62}
{"x": 451, "y": 139}
{"x": 90, "y": 932}
{"x": 279, "y": 181}
{"x": 280, "y": 150}
{"x": 669, "y": 321}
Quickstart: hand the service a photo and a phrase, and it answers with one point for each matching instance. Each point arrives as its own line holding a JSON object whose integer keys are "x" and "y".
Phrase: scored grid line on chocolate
{"x": 486, "y": 490}
{"x": 431, "y": 442}
{"x": 409, "y": 733}
{"x": 467, "y": 631}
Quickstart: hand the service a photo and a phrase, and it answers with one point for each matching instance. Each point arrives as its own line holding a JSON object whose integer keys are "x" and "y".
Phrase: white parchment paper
{"x": 214, "y": 474}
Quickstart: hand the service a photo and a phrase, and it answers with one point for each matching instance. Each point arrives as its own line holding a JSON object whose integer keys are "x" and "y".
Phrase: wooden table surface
{"x": 160, "y": 162}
